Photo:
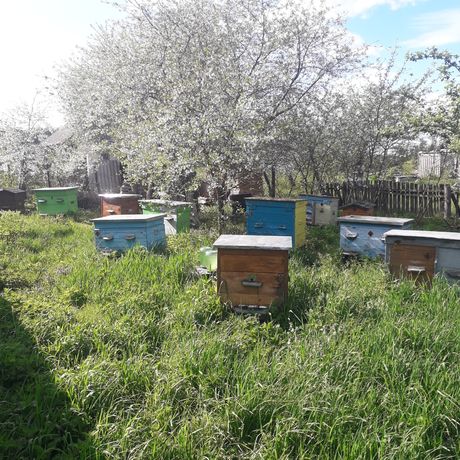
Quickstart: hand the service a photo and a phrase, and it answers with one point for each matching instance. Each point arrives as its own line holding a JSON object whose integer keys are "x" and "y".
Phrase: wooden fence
{"x": 398, "y": 197}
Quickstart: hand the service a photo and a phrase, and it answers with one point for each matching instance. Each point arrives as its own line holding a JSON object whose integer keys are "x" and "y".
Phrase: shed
{"x": 252, "y": 269}
{"x": 321, "y": 209}
{"x": 122, "y": 232}
{"x": 357, "y": 208}
{"x": 12, "y": 199}
{"x": 422, "y": 254}
{"x": 363, "y": 235}
{"x": 278, "y": 217}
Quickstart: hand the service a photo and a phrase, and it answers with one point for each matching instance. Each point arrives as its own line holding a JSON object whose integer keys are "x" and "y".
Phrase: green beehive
{"x": 56, "y": 200}
{"x": 178, "y": 213}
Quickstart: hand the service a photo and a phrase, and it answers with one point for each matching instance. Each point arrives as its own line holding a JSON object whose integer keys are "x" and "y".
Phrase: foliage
{"x": 150, "y": 365}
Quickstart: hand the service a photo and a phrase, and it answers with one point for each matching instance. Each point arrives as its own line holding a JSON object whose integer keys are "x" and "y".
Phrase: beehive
{"x": 119, "y": 203}
{"x": 357, "y": 209}
{"x": 278, "y": 217}
{"x": 122, "y": 232}
{"x": 12, "y": 199}
{"x": 363, "y": 235}
{"x": 56, "y": 200}
{"x": 178, "y": 213}
{"x": 321, "y": 209}
{"x": 422, "y": 254}
{"x": 252, "y": 269}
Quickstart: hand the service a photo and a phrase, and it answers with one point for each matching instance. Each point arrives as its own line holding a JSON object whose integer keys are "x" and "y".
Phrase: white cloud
{"x": 437, "y": 28}
{"x": 361, "y": 7}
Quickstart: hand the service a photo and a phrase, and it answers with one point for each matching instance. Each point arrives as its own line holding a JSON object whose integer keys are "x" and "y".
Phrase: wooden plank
{"x": 257, "y": 261}
{"x": 405, "y": 259}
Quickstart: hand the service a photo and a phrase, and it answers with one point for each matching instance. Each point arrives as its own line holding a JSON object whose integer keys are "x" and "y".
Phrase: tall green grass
{"x": 147, "y": 363}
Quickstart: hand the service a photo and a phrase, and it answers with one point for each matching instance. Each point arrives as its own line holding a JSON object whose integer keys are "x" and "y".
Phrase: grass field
{"x": 135, "y": 357}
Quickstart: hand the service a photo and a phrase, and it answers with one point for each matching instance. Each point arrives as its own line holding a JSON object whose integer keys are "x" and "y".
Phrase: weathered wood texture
{"x": 398, "y": 197}
{"x": 119, "y": 204}
{"x": 412, "y": 261}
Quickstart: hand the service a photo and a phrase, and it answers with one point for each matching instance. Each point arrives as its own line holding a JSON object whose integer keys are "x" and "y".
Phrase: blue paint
{"x": 123, "y": 232}
{"x": 363, "y": 235}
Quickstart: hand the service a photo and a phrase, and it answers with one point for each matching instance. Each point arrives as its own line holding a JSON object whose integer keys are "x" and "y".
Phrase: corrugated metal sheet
{"x": 109, "y": 176}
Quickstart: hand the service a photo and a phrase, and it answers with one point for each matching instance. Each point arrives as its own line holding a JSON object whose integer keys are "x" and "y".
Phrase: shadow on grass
{"x": 36, "y": 420}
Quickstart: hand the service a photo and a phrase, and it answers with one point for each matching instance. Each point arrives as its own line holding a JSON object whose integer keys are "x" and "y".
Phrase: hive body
{"x": 278, "y": 217}
{"x": 12, "y": 199}
{"x": 178, "y": 213}
{"x": 252, "y": 270}
{"x": 321, "y": 209}
{"x": 119, "y": 203}
{"x": 422, "y": 254}
{"x": 363, "y": 235}
{"x": 56, "y": 200}
{"x": 122, "y": 232}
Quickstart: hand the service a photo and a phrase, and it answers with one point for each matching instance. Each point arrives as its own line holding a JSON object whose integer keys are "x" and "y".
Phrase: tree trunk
{"x": 271, "y": 182}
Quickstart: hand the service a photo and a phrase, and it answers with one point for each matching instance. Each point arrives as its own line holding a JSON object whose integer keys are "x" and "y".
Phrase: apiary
{"x": 253, "y": 269}
{"x": 12, "y": 199}
{"x": 277, "y": 217}
{"x": 422, "y": 254}
{"x": 178, "y": 213}
{"x": 119, "y": 203}
{"x": 364, "y": 235}
{"x": 122, "y": 232}
{"x": 357, "y": 208}
{"x": 321, "y": 209}
{"x": 56, "y": 200}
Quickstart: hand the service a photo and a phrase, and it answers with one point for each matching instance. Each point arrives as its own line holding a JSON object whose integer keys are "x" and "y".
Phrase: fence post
{"x": 447, "y": 198}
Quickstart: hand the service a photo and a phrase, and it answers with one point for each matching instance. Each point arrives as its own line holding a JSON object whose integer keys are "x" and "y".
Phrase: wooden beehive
{"x": 278, "y": 217}
{"x": 252, "y": 269}
{"x": 119, "y": 203}
{"x": 357, "y": 209}
{"x": 321, "y": 209}
{"x": 364, "y": 235}
{"x": 178, "y": 213}
{"x": 56, "y": 200}
{"x": 422, "y": 254}
{"x": 122, "y": 232}
{"x": 12, "y": 199}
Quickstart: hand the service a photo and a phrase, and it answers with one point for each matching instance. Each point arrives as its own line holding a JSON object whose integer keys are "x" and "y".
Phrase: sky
{"x": 35, "y": 35}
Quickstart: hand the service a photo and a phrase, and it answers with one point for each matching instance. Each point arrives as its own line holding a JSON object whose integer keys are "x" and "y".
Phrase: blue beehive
{"x": 278, "y": 217}
{"x": 122, "y": 232}
{"x": 321, "y": 209}
{"x": 364, "y": 235}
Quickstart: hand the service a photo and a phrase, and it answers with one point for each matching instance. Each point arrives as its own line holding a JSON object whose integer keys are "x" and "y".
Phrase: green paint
{"x": 56, "y": 200}
{"x": 181, "y": 211}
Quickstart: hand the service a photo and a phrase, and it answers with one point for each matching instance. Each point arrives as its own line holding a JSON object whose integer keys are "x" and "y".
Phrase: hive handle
{"x": 130, "y": 237}
{"x": 282, "y": 227}
{"x": 111, "y": 211}
{"x": 258, "y": 225}
{"x": 107, "y": 238}
{"x": 41, "y": 200}
{"x": 416, "y": 269}
{"x": 251, "y": 283}
{"x": 59, "y": 200}
{"x": 351, "y": 236}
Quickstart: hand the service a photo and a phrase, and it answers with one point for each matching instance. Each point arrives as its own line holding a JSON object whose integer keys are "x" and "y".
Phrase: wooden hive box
{"x": 321, "y": 209}
{"x": 364, "y": 235}
{"x": 277, "y": 217}
{"x": 56, "y": 200}
{"x": 12, "y": 199}
{"x": 121, "y": 232}
{"x": 422, "y": 254}
{"x": 253, "y": 270}
{"x": 357, "y": 209}
{"x": 178, "y": 213}
{"x": 119, "y": 203}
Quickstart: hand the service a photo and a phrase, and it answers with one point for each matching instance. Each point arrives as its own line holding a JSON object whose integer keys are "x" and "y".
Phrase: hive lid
{"x": 318, "y": 196}
{"x": 118, "y": 195}
{"x": 167, "y": 202}
{"x": 358, "y": 204}
{"x": 266, "y": 198}
{"x": 375, "y": 220}
{"x": 269, "y": 243}
{"x": 130, "y": 218}
{"x": 53, "y": 189}
{"x": 12, "y": 190}
{"x": 452, "y": 236}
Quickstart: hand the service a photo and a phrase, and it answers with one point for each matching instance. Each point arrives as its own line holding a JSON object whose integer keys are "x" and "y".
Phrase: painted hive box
{"x": 119, "y": 203}
{"x": 56, "y": 200}
{"x": 252, "y": 269}
{"x": 277, "y": 217}
{"x": 364, "y": 235}
{"x": 12, "y": 199}
{"x": 422, "y": 254}
{"x": 178, "y": 213}
{"x": 357, "y": 209}
{"x": 321, "y": 209}
{"x": 122, "y": 232}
